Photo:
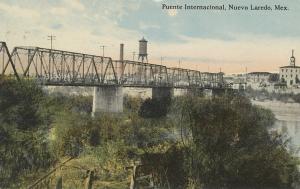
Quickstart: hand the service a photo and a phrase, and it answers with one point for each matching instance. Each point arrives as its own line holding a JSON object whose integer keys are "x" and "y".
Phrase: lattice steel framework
{"x": 6, "y": 62}
{"x": 56, "y": 67}
{"x": 140, "y": 74}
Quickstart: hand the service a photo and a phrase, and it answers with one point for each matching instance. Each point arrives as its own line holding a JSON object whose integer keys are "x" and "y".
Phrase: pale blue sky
{"x": 207, "y": 40}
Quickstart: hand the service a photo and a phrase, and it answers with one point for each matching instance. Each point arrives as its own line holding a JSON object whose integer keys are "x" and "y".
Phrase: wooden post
{"x": 151, "y": 182}
{"x": 133, "y": 177}
{"x": 59, "y": 183}
{"x": 89, "y": 181}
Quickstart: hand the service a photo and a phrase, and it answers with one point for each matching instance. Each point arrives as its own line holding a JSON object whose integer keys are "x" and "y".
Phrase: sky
{"x": 230, "y": 41}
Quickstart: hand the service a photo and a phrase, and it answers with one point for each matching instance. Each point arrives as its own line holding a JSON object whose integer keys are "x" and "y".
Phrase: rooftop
{"x": 290, "y": 67}
{"x": 259, "y": 73}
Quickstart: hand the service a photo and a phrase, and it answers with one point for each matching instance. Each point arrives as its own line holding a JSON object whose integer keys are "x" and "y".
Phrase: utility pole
{"x": 133, "y": 55}
{"x": 51, "y": 38}
{"x": 246, "y": 69}
{"x": 160, "y": 72}
{"x": 161, "y": 59}
{"x": 102, "y": 46}
{"x": 179, "y": 63}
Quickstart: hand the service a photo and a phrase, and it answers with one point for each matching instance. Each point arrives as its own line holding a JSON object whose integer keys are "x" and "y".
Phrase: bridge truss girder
{"x": 57, "y": 67}
{"x": 6, "y": 61}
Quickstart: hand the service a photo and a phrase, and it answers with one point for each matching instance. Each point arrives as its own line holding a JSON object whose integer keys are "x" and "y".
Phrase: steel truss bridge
{"x": 63, "y": 68}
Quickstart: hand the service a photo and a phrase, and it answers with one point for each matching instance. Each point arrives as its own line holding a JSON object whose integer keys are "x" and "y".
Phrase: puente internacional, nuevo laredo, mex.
{"x": 108, "y": 77}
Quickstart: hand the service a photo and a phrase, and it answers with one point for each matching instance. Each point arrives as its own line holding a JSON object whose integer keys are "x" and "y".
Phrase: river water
{"x": 287, "y": 119}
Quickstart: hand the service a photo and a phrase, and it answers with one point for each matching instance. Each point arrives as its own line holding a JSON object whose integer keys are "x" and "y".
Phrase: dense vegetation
{"x": 186, "y": 142}
{"x": 230, "y": 145}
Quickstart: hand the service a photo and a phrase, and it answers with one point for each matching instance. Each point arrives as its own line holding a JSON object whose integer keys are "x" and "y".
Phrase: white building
{"x": 290, "y": 74}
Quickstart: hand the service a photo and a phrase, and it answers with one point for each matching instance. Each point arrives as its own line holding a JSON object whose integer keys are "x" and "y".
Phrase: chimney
{"x": 121, "y": 52}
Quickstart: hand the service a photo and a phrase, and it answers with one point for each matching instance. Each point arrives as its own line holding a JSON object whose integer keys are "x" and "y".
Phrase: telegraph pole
{"x": 51, "y": 38}
{"x": 160, "y": 77}
{"x": 179, "y": 63}
{"x": 246, "y": 69}
{"x": 103, "y": 46}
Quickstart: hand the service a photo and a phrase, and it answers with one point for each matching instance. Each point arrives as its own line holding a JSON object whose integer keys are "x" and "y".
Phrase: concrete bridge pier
{"x": 108, "y": 99}
{"x": 162, "y": 92}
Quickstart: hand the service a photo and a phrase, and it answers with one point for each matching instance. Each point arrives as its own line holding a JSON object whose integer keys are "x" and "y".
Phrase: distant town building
{"x": 289, "y": 75}
{"x": 258, "y": 77}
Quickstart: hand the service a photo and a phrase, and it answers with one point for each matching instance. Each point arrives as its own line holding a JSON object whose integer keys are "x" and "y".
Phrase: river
{"x": 287, "y": 119}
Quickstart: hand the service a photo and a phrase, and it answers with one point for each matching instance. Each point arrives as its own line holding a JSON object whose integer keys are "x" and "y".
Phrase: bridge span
{"x": 64, "y": 68}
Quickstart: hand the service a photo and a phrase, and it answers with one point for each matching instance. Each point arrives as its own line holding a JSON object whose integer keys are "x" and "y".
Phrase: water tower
{"x": 143, "y": 50}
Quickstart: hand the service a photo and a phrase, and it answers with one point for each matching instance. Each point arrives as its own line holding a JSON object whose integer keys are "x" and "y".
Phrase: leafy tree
{"x": 154, "y": 108}
{"x": 19, "y": 103}
{"x": 273, "y": 78}
{"x": 23, "y": 133}
{"x": 231, "y": 146}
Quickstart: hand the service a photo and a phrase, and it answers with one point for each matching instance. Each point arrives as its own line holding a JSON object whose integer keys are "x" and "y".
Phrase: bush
{"x": 71, "y": 132}
{"x": 167, "y": 167}
{"x": 132, "y": 104}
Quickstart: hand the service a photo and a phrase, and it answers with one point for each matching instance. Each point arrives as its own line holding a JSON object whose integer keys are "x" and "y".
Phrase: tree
{"x": 19, "y": 103}
{"x": 231, "y": 146}
{"x": 23, "y": 132}
{"x": 273, "y": 78}
{"x": 154, "y": 108}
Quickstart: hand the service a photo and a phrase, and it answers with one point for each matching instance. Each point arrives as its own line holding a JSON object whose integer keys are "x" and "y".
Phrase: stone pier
{"x": 108, "y": 99}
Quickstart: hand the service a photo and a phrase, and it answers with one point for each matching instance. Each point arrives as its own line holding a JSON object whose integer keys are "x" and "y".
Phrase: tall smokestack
{"x": 121, "y": 52}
